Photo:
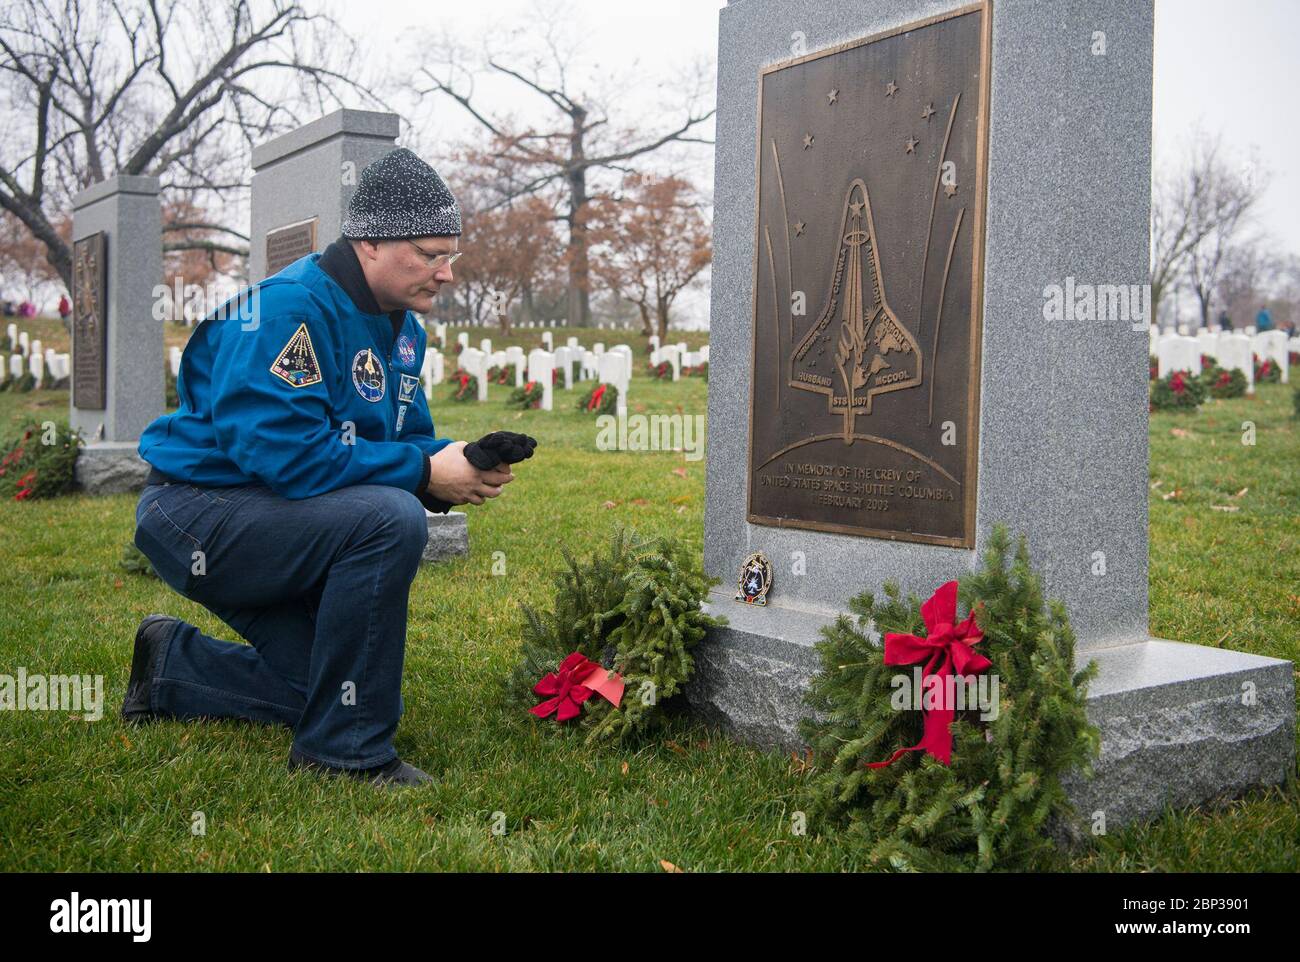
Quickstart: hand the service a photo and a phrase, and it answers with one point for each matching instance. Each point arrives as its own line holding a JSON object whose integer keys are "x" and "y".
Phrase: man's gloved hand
{"x": 492, "y": 449}
{"x": 485, "y": 454}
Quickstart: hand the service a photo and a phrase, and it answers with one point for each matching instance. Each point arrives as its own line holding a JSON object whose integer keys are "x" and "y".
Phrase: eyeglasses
{"x": 435, "y": 261}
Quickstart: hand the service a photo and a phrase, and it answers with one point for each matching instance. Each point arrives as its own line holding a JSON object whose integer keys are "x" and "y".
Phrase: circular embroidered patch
{"x": 368, "y": 375}
{"x": 406, "y": 351}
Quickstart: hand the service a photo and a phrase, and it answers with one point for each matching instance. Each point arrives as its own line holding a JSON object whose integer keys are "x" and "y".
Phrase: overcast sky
{"x": 1230, "y": 67}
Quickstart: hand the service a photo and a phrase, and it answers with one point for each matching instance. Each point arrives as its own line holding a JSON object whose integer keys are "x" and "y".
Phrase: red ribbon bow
{"x": 946, "y": 647}
{"x": 596, "y": 395}
{"x": 567, "y": 694}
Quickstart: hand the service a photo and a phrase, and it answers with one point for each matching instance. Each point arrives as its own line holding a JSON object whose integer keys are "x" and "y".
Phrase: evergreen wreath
{"x": 465, "y": 386}
{"x": 1223, "y": 383}
{"x": 501, "y": 374}
{"x": 1267, "y": 370}
{"x": 1177, "y": 391}
{"x": 528, "y": 396}
{"x": 988, "y": 808}
{"x": 634, "y": 608}
{"x": 31, "y": 468}
{"x": 601, "y": 399}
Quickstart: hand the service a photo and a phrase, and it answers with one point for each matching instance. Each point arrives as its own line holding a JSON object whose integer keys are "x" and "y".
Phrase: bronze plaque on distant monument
{"x": 284, "y": 245}
{"x": 90, "y": 323}
{"x": 867, "y": 284}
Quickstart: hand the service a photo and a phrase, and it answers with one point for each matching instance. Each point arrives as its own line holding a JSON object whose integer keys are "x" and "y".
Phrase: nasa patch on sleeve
{"x": 296, "y": 364}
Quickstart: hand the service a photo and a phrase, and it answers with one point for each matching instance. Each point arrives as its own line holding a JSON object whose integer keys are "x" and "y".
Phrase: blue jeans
{"x": 318, "y": 587}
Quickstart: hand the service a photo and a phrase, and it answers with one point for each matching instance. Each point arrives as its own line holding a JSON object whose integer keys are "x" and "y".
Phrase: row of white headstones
{"x": 613, "y": 366}
{"x": 1182, "y": 351}
{"x": 30, "y": 356}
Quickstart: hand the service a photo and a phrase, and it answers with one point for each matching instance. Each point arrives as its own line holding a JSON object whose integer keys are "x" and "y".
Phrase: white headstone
{"x": 548, "y": 339}
{"x": 614, "y": 370}
{"x": 174, "y": 358}
{"x": 37, "y": 363}
{"x": 12, "y": 331}
{"x": 572, "y": 342}
{"x": 540, "y": 366}
{"x": 515, "y": 356}
{"x": 15, "y": 366}
{"x": 1234, "y": 351}
{"x": 24, "y": 342}
{"x": 1272, "y": 345}
{"x": 1178, "y": 353}
{"x": 463, "y": 339}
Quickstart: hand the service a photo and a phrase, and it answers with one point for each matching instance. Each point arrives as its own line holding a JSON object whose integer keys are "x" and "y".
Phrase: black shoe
{"x": 394, "y": 774}
{"x": 153, "y": 632}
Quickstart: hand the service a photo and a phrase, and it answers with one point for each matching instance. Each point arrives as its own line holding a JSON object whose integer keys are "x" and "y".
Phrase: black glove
{"x": 498, "y": 447}
{"x": 485, "y": 454}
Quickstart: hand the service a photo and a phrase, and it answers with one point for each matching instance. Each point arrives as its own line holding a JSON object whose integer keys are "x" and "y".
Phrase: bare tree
{"x": 1197, "y": 214}
{"x": 566, "y": 155}
{"x": 175, "y": 88}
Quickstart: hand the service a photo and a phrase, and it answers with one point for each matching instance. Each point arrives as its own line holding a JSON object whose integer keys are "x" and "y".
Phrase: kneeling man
{"x": 289, "y": 489}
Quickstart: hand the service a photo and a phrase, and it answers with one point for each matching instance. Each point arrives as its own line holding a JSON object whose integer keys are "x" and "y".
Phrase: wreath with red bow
{"x": 601, "y": 399}
{"x": 464, "y": 386}
{"x": 942, "y": 739}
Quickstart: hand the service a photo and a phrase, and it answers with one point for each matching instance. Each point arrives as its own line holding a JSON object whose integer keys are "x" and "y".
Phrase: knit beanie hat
{"x": 399, "y": 195}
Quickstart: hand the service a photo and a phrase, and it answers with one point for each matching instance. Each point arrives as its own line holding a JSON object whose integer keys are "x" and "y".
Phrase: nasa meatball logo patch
{"x": 406, "y": 351}
{"x": 368, "y": 375}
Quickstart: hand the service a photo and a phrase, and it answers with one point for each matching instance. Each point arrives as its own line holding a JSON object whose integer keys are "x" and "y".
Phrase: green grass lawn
{"x": 101, "y": 796}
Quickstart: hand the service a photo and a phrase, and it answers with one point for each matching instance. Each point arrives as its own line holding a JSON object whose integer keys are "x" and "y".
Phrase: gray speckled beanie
{"x": 399, "y": 195}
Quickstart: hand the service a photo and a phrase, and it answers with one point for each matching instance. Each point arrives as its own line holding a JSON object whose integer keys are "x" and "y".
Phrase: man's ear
{"x": 366, "y": 250}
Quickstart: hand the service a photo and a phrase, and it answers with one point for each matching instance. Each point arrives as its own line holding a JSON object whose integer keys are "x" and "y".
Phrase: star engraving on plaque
{"x": 928, "y": 112}
{"x": 891, "y": 88}
{"x": 910, "y": 146}
{"x": 950, "y": 189}
{"x": 798, "y": 228}
{"x": 807, "y": 141}
{"x": 856, "y": 208}
{"x": 830, "y": 97}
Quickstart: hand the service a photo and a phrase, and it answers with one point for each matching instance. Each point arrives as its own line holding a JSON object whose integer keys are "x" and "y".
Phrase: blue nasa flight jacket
{"x": 266, "y": 392}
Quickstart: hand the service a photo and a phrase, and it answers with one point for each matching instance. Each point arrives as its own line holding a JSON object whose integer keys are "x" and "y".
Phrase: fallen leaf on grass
{"x": 676, "y": 747}
{"x": 681, "y": 499}
{"x": 640, "y": 502}
{"x": 1234, "y": 497}
{"x": 1172, "y": 494}
{"x": 610, "y": 504}
{"x": 1181, "y": 433}
{"x": 669, "y": 866}
{"x": 680, "y": 472}
{"x": 624, "y": 768}
{"x": 125, "y": 741}
{"x": 1225, "y": 507}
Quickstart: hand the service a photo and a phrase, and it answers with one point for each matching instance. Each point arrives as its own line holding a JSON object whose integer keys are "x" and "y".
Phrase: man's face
{"x": 401, "y": 273}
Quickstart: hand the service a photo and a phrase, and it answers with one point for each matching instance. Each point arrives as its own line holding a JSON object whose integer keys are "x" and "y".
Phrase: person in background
{"x": 1225, "y": 322}
{"x": 64, "y": 307}
{"x": 1263, "y": 320}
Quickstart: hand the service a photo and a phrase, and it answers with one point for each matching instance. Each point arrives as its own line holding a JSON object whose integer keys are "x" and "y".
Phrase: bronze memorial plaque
{"x": 284, "y": 245}
{"x": 867, "y": 284}
{"x": 89, "y": 323}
